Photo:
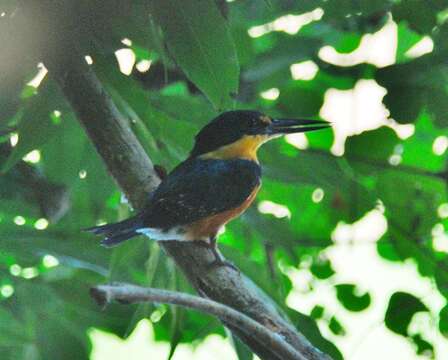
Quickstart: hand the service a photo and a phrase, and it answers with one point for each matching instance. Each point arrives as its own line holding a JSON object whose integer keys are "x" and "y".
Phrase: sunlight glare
{"x": 318, "y": 195}
{"x": 41, "y": 224}
{"x": 271, "y": 94}
{"x": 378, "y": 49}
{"x": 19, "y": 220}
{"x": 440, "y": 145}
{"x": 403, "y": 131}
{"x": 299, "y": 140}
{"x": 15, "y": 269}
{"x": 439, "y": 238}
{"x": 29, "y": 273}
{"x": 370, "y": 228}
{"x": 395, "y": 159}
{"x": 290, "y": 24}
{"x": 305, "y": 70}
{"x": 88, "y": 59}
{"x": 6, "y": 290}
{"x": 50, "y": 261}
{"x": 278, "y": 210}
{"x": 82, "y": 174}
{"x": 126, "y": 60}
{"x": 424, "y": 46}
{"x": 126, "y": 42}
{"x": 41, "y": 73}
{"x": 143, "y": 65}
{"x": 442, "y": 211}
{"x": 354, "y": 111}
{"x": 33, "y": 157}
{"x": 141, "y": 344}
{"x": 14, "y": 139}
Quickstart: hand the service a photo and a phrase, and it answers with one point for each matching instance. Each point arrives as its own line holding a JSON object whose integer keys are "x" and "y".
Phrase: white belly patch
{"x": 176, "y": 233}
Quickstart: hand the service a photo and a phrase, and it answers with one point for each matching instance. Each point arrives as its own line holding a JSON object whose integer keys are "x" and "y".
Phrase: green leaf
{"x": 443, "y": 321}
{"x": 36, "y": 126}
{"x": 309, "y": 328}
{"x": 322, "y": 269}
{"x": 63, "y": 156}
{"x": 376, "y": 145}
{"x": 406, "y": 39}
{"x": 272, "y": 66}
{"x": 387, "y": 250}
{"x": 11, "y": 330}
{"x": 348, "y": 42}
{"x": 317, "y": 312}
{"x": 400, "y": 311}
{"x": 418, "y": 149}
{"x": 414, "y": 86}
{"x": 241, "y": 349}
{"x": 347, "y": 295}
{"x": 336, "y": 327}
{"x": 423, "y": 347}
{"x": 201, "y": 44}
{"x": 421, "y": 15}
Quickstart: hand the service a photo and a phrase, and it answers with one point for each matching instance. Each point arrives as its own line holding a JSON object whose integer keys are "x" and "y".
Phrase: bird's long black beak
{"x": 290, "y": 126}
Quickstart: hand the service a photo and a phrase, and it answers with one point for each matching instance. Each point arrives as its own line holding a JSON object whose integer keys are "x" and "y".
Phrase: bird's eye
{"x": 265, "y": 120}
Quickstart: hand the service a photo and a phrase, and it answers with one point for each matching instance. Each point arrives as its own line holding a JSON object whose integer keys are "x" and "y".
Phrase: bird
{"x": 215, "y": 184}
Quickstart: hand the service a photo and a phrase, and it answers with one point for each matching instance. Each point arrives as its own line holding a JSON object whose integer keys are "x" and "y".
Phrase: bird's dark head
{"x": 239, "y": 133}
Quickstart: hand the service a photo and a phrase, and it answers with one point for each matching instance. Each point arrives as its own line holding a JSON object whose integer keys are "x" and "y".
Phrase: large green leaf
{"x": 201, "y": 44}
{"x": 421, "y": 16}
{"x": 414, "y": 86}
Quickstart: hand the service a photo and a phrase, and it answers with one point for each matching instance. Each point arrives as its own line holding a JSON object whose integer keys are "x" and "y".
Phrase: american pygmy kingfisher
{"x": 216, "y": 183}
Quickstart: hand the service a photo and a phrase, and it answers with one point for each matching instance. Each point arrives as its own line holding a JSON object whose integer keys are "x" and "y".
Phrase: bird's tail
{"x": 116, "y": 233}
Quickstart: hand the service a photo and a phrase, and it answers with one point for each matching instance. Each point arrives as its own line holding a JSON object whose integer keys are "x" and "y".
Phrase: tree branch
{"x": 134, "y": 173}
{"x": 127, "y": 293}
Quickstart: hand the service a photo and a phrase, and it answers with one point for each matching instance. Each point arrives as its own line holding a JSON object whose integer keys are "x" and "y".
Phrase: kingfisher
{"x": 215, "y": 184}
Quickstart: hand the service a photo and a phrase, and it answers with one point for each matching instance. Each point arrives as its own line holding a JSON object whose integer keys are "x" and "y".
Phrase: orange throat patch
{"x": 244, "y": 148}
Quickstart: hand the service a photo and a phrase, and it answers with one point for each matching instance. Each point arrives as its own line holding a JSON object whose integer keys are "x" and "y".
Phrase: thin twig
{"x": 128, "y": 293}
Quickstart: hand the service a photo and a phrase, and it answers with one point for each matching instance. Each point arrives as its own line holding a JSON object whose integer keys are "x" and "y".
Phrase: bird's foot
{"x": 218, "y": 262}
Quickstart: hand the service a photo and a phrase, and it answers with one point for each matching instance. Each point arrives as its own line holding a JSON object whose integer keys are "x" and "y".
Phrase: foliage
{"x": 199, "y": 52}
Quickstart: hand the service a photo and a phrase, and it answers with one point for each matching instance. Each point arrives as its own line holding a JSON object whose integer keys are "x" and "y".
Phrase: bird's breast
{"x": 209, "y": 226}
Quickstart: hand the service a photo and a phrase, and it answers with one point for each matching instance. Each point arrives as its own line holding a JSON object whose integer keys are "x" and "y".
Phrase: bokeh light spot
{"x": 41, "y": 224}
{"x": 19, "y": 220}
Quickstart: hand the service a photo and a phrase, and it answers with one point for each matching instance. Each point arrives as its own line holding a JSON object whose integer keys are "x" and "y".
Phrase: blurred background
{"x": 349, "y": 234}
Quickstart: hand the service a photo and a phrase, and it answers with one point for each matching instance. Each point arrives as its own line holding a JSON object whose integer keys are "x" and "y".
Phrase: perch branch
{"x": 127, "y": 293}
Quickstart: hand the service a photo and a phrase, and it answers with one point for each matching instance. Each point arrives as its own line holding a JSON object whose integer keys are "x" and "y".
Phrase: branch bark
{"x": 133, "y": 171}
{"x": 127, "y": 293}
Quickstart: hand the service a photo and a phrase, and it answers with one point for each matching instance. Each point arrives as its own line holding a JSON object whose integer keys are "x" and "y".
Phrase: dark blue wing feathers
{"x": 194, "y": 190}
{"x": 199, "y": 188}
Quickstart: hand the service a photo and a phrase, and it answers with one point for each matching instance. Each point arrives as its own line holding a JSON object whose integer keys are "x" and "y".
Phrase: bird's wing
{"x": 201, "y": 188}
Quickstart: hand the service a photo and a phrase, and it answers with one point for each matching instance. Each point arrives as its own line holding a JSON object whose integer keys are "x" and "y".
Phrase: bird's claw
{"x": 220, "y": 262}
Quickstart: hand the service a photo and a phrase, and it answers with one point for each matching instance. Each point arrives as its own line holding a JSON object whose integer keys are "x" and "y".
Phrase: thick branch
{"x": 135, "y": 294}
{"x": 134, "y": 173}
